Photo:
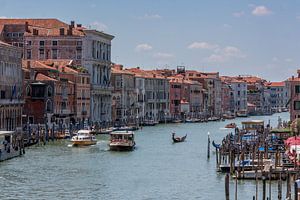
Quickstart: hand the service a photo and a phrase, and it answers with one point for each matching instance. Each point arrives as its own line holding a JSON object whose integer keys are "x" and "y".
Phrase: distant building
{"x": 124, "y": 99}
{"x": 152, "y": 90}
{"x": 278, "y": 95}
{"x": 11, "y": 100}
{"x": 294, "y": 87}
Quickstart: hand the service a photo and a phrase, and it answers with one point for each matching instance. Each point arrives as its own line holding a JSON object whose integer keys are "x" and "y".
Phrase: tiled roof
{"x": 276, "y": 84}
{"x": 42, "y": 77}
{"x": 45, "y": 27}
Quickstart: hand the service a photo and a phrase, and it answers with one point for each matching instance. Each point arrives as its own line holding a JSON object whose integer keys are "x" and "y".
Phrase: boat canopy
{"x": 84, "y": 132}
{"x": 292, "y": 141}
{"x": 3, "y": 133}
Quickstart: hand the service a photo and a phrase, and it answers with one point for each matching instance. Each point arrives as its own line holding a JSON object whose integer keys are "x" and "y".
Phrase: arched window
{"x": 49, "y": 91}
{"x": 28, "y": 90}
{"x": 48, "y": 105}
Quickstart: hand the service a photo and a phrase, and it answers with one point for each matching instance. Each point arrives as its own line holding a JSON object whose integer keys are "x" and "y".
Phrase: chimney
{"x": 293, "y": 77}
{"x": 62, "y": 31}
{"x": 26, "y": 27}
{"x": 72, "y": 24}
{"x": 79, "y": 25}
{"x": 69, "y": 32}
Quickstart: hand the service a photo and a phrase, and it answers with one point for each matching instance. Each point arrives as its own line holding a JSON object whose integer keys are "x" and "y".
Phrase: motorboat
{"x": 122, "y": 141}
{"x": 83, "y": 138}
{"x": 231, "y": 125}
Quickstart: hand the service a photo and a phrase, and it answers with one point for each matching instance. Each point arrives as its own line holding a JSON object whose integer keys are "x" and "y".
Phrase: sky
{"x": 234, "y": 37}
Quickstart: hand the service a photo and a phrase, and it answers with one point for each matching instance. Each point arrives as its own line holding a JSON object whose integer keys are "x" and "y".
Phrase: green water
{"x": 157, "y": 169}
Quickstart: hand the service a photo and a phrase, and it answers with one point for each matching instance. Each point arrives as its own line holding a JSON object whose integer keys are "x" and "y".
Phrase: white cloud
{"x": 225, "y": 54}
{"x": 202, "y": 45}
{"x": 226, "y": 26}
{"x": 151, "y": 16}
{"x": 275, "y": 59}
{"x": 99, "y": 26}
{"x": 3, "y": 17}
{"x": 288, "y": 60}
{"x": 163, "y": 56}
{"x": 261, "y": 11}
{"x": 143, "y": 47}
{"x": 238, "y": 14}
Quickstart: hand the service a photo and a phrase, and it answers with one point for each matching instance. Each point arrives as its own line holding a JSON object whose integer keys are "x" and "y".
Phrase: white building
{"x": 97, "y": 59}
{"x": 239, "y": 90}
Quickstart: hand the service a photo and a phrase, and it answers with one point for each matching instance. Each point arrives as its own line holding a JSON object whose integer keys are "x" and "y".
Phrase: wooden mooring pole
{"x": 227, "y": 187}
{"x": 208, "y": 145}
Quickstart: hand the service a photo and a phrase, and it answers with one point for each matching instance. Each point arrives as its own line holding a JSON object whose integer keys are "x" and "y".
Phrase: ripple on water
{"x": 157, "y": 169}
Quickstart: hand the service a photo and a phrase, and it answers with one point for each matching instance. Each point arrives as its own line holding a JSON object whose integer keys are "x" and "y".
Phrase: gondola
{"x": 216, "y": 145}
{"x": 178, "y": 139}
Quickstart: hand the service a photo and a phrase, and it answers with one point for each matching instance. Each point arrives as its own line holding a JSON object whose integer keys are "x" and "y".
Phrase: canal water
{"x": 157, "y": 169}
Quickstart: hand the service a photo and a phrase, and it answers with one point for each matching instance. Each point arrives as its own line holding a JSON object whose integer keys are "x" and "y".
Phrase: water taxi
{"x": 83, "y": 138}
{"x": 11, "y": 145}
{"x": 122, "y": 141}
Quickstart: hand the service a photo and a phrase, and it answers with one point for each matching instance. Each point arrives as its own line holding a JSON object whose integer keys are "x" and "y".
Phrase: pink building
{"x": 294, "y": 89}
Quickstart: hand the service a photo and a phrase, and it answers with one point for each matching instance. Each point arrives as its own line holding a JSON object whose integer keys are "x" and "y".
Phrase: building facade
{"x": 11, "y": 100}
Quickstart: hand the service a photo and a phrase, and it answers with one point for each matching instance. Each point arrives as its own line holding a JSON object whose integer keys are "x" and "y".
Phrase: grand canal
{"x": 157, "y": 169}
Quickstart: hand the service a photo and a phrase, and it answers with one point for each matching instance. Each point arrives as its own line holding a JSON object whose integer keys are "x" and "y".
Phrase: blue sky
{"x": 230, "y": 36}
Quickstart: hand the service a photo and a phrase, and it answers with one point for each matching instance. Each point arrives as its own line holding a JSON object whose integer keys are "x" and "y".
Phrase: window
{"x": 296, "y": 105}
{"x": 29, "y": 43}
{"x": 54, "y": 54}
{"x": 42, "y": 43}
{"x": 54, "y": 43}
{"x": 79, "y": 43}
{"x": 297, "y": 89}
{"x": 42, "y": 54}
{"x": 28, "y": 91}
{"x": 78, "y": 54}
{"x": 49, "y": 91}
{"x": 28, "y": 54}
{"x": 2, "y": 94}
{"x": 48, "y": 105}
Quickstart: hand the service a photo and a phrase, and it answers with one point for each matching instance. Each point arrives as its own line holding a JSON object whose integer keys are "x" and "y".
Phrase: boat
{"x": 122, "y": 141}
{"x": 106, "y": 131}
{"x": 11, "y": 145}
{"x": 83, "y": 138}
{"x": 217, "y": 146}
{"x": 149, "y": 123}
{"x": 231, "y": 125}
{"x": 192, "y": 120}
{"x": 125, "y": 128}
{"x": 177, "y": 121}
{"x": 178, "y": 139}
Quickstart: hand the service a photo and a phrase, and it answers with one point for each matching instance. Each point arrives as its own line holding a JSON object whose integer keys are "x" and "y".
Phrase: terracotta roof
{"x": 34, "y": 64}
{"x": 119, "y": 71}
{"x": 42, "y": 77}
{"x": 45, "y": 27}
{"x": 276, "y": 84}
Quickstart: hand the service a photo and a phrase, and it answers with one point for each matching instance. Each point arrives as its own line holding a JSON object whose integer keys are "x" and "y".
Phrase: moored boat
{"x": 11, "y": 145}
{"x": 83, "y": 138}
{"x": 122, "y": 141}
